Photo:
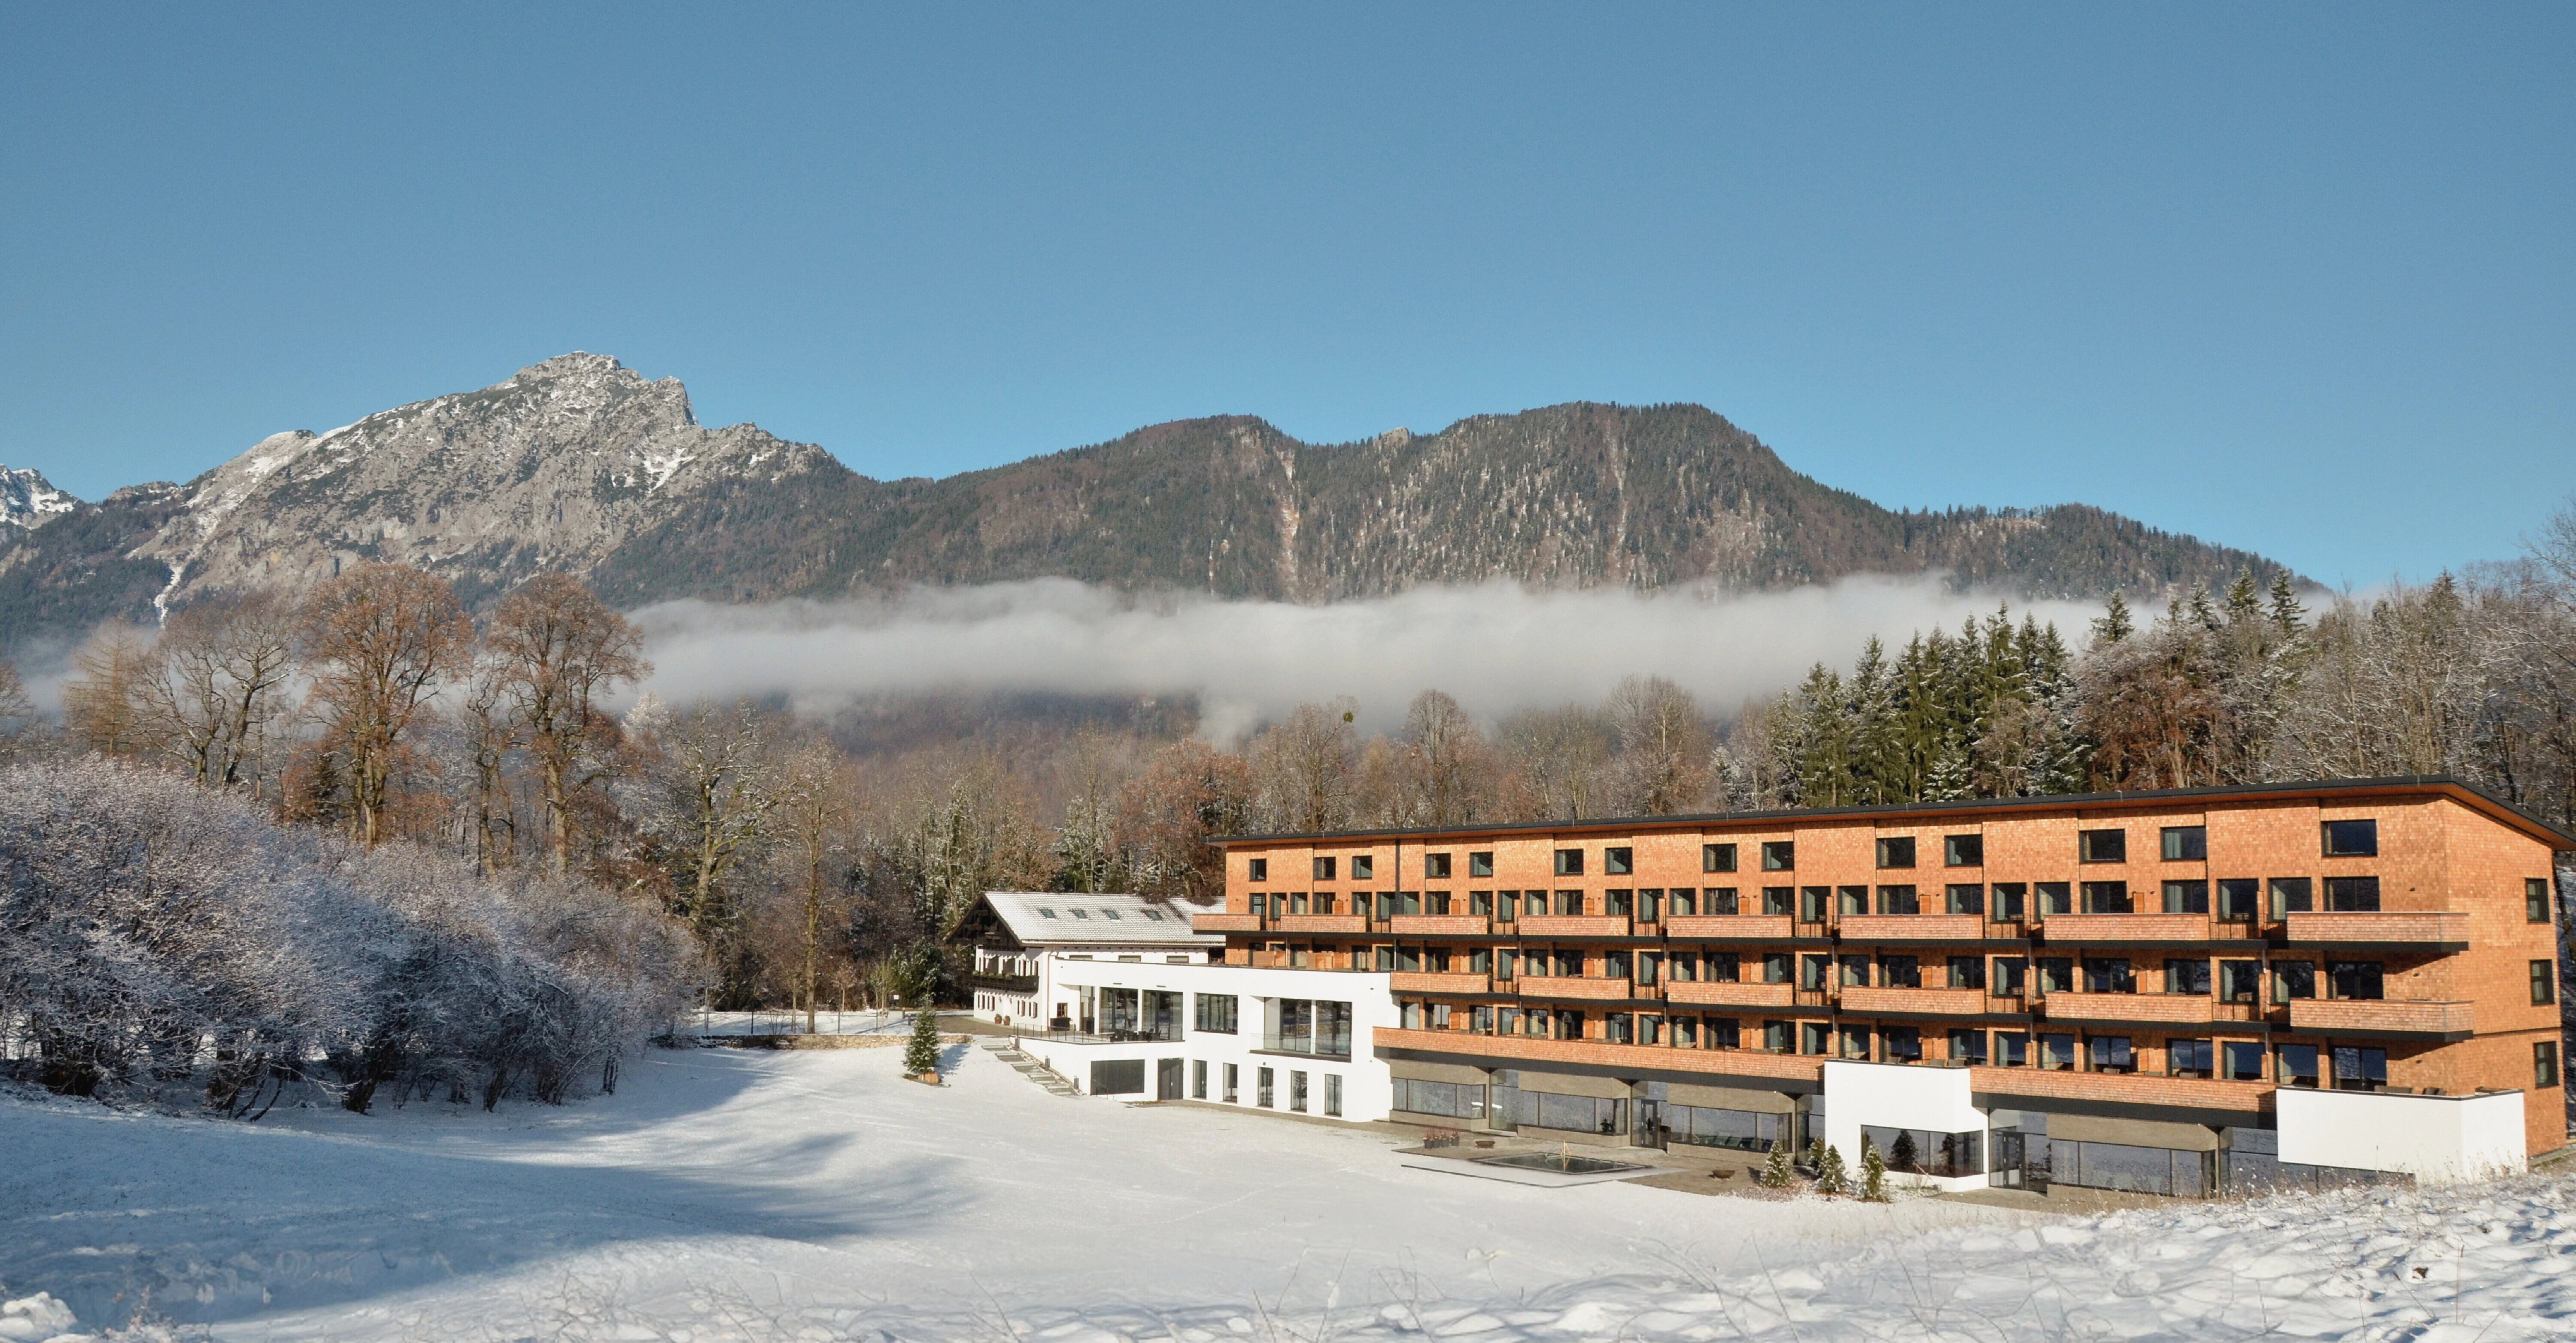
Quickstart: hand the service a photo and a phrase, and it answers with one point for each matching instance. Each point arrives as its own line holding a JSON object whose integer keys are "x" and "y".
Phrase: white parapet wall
{"x": 1361, "y": 1080}
{"x": 1903, "y": 1096}
{"x": 2436, "y": 1139}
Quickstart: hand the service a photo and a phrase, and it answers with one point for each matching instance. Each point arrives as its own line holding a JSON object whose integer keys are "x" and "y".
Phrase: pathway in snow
{"x": 729, "y": 1194}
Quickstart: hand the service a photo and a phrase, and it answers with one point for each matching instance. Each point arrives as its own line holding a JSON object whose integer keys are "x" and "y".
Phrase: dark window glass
{"x": 1617, "y": 862}
{"x": 1480, "y": 864}
{"x": 2011, "y": 900}
{"x": 2189, "y": 1058}
{"x": 1776, "y": 1036}
{"x": 2239, "y": 898}
{"x": 2186, "y": 844}
{"x": 2535, "y": 899}
{"x": 1433, "y": 865}
{"x": 2190, "y": 977}
{"x": 2102, "y": 846}
{"x": 2293, "y": 979}
{"x": 1899, "y": 900}
{"x": 1775, "y": 967}
{"x": 1619, "y": 903}
{"x": 2240, "y": 981}
{"x": 1896, "y": 851}
{"x": 1855, "y": 899}
{"x": 2360, "y": 1068}
{"x": 2107, "y": 897}
{"x": 2057, "y": 1052}
{"x": 2544, "y": 983}
{"x": 1569, "y": 862}
{"x": 2298, "y": 1066}
{"x": 2109, "y": 974}
{"x": 1813, "y": 901}
{"x": 2544, "y": 1064}
{"x": 2241, "y": 1061}
{"x": 2056, "y": 973}
{"x": 1818, "y": 1037}
{"x": 1855, "y": 971}
{"x": 1260, "y": 869}
{"x": 1964, "y": 898}
{"x": 1967, "y": 972}
{"x": 1901, "y": 972}
{"x": 2186, "y": 897}
{"x": 1569, "y": 902}
{"x": 1967, "y": 1046}
{"x": 2353, "y": 895}
{"x": 1685, "y": 901}
{"x": 2292, "y": 895}
{"x": 1324, "y": 869}
{"x": 1716, "y": 857}
{"x": 1364, "y": 868}
{"x": 2011, "y": 976}
{"x": 2361, "y": 980}
{"x": 2111, "y": 1054}
{"x": 1963, "y": 850}
{"x": 1720, "y": 900}
{"x": 1722, "y": 967}
{"x": 2351, "y": 839}
{"x": 2012, "y": 1049}
{"x": 1780, "y": 900}
{"x": 1779, "y": 855}
{"x": 1900, "y": 1044}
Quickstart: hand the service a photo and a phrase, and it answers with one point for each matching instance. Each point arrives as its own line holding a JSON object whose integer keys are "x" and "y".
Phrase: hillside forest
{"x": 377, "y": 736}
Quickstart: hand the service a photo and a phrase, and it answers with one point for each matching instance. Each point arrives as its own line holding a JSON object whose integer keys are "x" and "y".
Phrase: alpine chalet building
{"x": 2170, "y": 992}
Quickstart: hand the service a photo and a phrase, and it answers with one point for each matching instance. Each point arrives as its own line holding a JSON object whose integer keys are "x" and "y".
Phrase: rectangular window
{"x": 1899, "y": 900}
{"x": 1779, "y": 855}
{"x": 1618, "y": 903}
{"x": 2012, "y": 976}
{"x": 2544, "y": 1064}
{"x": 2352, "y": 895}
{"x": 2188, "y": 977}
{"x": 1775, "y": 967}
{"x": 2293, "y": 979}
{"x": 1776, "y": 1036}
{"x": 1615, "y": 1027}
{"x": 1686, "y": 901}
{"x": 1900, "y": 1044}
{"x": 2056, "y": 973}
{"x": 1480, "y": 903}
{"x": 2240, "y": 1061}
{"x": 1716, "y": 857}
{"x": 1814, "y": 902}
{"x": 2057, "y": 1053}
{"x": 2240, "y": 898}
{"x": 2361, "y": 981}
{"x": 2109, "y": 974}
{"x": 1506, "y": 906}
{"x": 2535, "y": 899}
{"x": 1324, "y": 869}
{"x": 2292, "y": 895}
{"x": 2360, "y": 1068}
{"x": 2297, "y": 1066}
{"x": 1265, "y": 1080}
{"x": 1779, "y": 900}
{"x": 2351, "y": 839}
{"x": 1617, "y": 862}
{"x": 2544, "y": 983}
{"x": 1684, "y": 965}
{"x": 1118, "y": 1077}
{"x": 1813, "y": 970}
{"x": 1216, "y": 1013}
{"x": 2107, "y": 897}
{"x": 1198, "y": 1079}
{"x": 1569, "y": 862}
{"x": 1434, "y": 866}
{"x": 1896, "y": 851}
{"x": 1297, "y": 1091}
{"x": 2055, "y": 897}
{"x": 1722, "y": 967}
{"x": 2186, "y": 897}
{"x": 2186, "y": 844}
{"x": 1260, "y": 904}
{"x": 2102, "y": 846}
{"x": 1900, "y": 972}
{"x": 1855, "y": 899}
{"x": 1963, "y": 850}
{"x": 1614, "y": 965}
{"x": 1968, "y": 1047}
{"x": 1964, "y": 898}
{"x": 1569, "y": 902}
{"x": 2110, "y": 1054}
{"x": 1364, "y": 867}
{"x": 1480, "y": 864}
{"x": 2010, "y": 901}
{"x": 1815, "y": 1038}
{"x": 2240, "y": 981}
{"x": 2189, "y": 1058}
{"x": 1333, "y": 1094}
{"x": 1232, "y": 1078}
{"x": 2012, "y": 1049}
{"x": 1967, "y": 972}
{"x": 1260, "y": 869}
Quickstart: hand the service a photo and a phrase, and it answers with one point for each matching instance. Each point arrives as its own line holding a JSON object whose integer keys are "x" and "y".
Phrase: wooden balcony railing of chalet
{"x": 2427, "y": 929}
{"x": 1717, "y": 993}
{"x": 2133, "y": 928}
{"x": 2392, "y": 1016}
{"x": 1438, "y": 925}
{"x": 1725, "y": 1062}
{"x": 1319, "y": 923}
{"x": 1937, "y": 1002}
{"x": 1225, "y": 923}
{"x": 1574, "y": 925}
{"x": 2180, "y": 1009}
{"x": 1724, "y": 927}
{"x": 1571, "y": 986}
{"x": 1438, "y": 981}
{"x": 1914, "y": 927}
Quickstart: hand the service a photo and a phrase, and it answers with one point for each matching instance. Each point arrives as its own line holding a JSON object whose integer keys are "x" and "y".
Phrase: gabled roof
{"x": 1055, "y": 918}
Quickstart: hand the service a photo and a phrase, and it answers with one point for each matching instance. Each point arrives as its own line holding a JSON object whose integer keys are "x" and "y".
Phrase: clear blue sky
{"x": 2295, "y": 278}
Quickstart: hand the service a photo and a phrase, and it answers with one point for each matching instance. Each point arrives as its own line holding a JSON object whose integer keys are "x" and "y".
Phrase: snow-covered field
{"x": 815, "y": 1195}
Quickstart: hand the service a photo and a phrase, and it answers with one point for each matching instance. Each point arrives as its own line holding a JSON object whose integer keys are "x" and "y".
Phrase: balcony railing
{"x": 1569, "y": 986}
{"x": 2127, "y": 1088}
{"x": 1713, "y": 993}
{"x": 2407, "y": 928}
{"x": 1914, "y": 927}
{"x": 1225, "y": 923}
{"x": 1939, "y": 1002}
{"x": 2378, "y": 1016}
{"x": 1750, "y": 927}
{"x": 1438, "y": 981}
{"x": 1574, "y": 925}
{"x": 2182, "y": 1009}
{"x": 1736, "y": 1062}
{"x": 1320, "y": 923}
{"x": 1437, "y": 925}
{"x": 2118, "y": 928}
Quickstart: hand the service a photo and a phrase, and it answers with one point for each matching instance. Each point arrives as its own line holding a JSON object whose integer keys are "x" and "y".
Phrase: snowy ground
{"x": 814, "y": 1194}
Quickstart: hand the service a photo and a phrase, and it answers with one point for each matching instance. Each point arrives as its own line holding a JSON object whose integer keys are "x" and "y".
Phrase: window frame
{"x": 1569, "y": 862}
{"x": 1435, "y": 867}
{"x": 2089, "y": 846}
{"x": 1617, "y": 860}
{"x": 1717, "y": 857}
{"x": 1779, "y": 855}
{"x": 2544, "y": 983}
{"x": 2177, "y": 844}
{"x": 1257, "y": 869}
{"x": 1895, "y": 852}
{"x": 2326, "y": 838}
{"x": 1963, "y": 850}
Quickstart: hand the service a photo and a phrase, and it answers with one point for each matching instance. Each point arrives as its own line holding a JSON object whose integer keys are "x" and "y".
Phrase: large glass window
{"x": 1896, "y": 851}
{"x": 2363, "y": 980}
{"x": 1717, "y": 858}
{"x": 2298, "y": 1066}
{"x": 2241, "y": 1061}
{"x": 1575, "y": 1114}
{"x": 1964, "y": 898}
{"x": 2360, "y": 1068}
{"x": 2239, "y": 898}
{"x": 2190, "y": 977}
{"x": 1216, "y": 1013}
{"x": 1899, "y": 900}
{"x": 2351, "y": 839}
{"x": 1300, "y": 1026}
{"x": 2107, "y": 897}
{"x": 1925, "y": 1152}
{"x": 2186, "y": 897}
{"x": 1569, "y": 862}
{"x": 1333, "y": 1094}
{"x": 2109, "y": 974}
{"x": 2143, "y": 1170}
{"x": 2102, "y": 846}
{"x": 1736, "y": 1130}
{"x": 1617, "y": 861}
{"x": 2353, "y": 895}
{"x": 1779, "y": 855}
{"x": 1963, "y": 850}
{"x": 1266, "y": 1080}
{"x": 2186, "y": 844}
{"x": 2011, "y": 901}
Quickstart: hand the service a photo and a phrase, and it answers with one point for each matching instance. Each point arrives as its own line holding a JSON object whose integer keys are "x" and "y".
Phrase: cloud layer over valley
{"x": 1496, "y": 647}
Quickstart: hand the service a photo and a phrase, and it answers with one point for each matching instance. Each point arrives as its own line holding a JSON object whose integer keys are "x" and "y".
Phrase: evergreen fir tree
{"x": 2286, "y": 611}
{"x": 921, "y": 1053}
{"x": 1815, "y": 1156}
{"x": 1832, "y": 1176}
{"x": 1873, "y": 1172}
{"x": 1777, "y": 1170}
{"x": 2115, "y": 623}
{"x": 1901, "y": 1154}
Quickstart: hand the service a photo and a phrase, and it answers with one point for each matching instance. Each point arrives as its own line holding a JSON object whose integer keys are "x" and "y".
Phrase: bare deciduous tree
{"x": 1303, "y": 768}
{"x": 212, "y": 690}
{"x": 102, "y": 706}
{"x": 379, "y": 639}
{"x": 1664, "y": 748}
{"x": 560, "y": 648}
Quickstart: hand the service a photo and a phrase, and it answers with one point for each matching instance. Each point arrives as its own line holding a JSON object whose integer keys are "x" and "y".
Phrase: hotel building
{"x": 2173, "y": 991}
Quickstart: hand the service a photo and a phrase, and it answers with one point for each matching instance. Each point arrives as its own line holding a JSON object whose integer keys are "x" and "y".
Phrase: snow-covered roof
{"x": 1040, "y": 918}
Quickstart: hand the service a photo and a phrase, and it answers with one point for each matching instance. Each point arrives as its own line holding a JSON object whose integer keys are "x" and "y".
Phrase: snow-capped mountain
{"x": 29, "y": 501}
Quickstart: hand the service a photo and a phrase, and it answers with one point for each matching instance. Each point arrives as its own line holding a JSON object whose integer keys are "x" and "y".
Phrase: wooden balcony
{"x": 1739, "y": 927}
{"x": 1917, "y": 1002}
{"x": 1713, "y": 993}
{"x": 1438, "y": 925}
{"x": 1574, "y": 925}
{"x": 1320, "y": 923}
{"x": 1568, "y": 986}
{"x": 2117, "y": 929}
{"x": 2427, "y": 930}
{"x": 1433, "y": 981}
{"x": 1913, "y": 927}
{"x": 2116, "y": 1088}
{"x": 2446, "y": 1020}
{"x": 1225, "y": 923}
{"x": 2179, "y": 1009}
{"x": 1720, "y": 1064}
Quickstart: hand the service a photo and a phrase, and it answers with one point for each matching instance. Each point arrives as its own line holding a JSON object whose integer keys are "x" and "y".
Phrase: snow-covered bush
{"x": 155, "y": 935}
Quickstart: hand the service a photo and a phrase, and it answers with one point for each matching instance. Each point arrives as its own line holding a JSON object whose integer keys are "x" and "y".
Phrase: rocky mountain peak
{"x": 29, "y": 501}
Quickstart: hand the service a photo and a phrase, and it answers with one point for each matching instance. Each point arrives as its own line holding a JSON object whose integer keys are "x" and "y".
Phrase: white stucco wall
{"x": 1368, "y": 1092}
{"x": 1897, "y": 1095}
{"x": 2436, "y": 1139}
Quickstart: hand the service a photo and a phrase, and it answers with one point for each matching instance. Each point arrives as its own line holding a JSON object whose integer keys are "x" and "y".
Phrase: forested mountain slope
{"x": 582, "y": 465}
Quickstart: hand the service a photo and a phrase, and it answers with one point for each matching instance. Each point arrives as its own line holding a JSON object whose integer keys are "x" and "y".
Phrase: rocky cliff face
{"x": 578, "y": 464}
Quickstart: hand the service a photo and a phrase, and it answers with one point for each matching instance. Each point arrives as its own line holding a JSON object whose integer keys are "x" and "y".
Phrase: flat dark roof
{"x": 2411, "y": 783}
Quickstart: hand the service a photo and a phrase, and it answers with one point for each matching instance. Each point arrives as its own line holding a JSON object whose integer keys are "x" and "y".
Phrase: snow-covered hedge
{"x": 157, "y": 938}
